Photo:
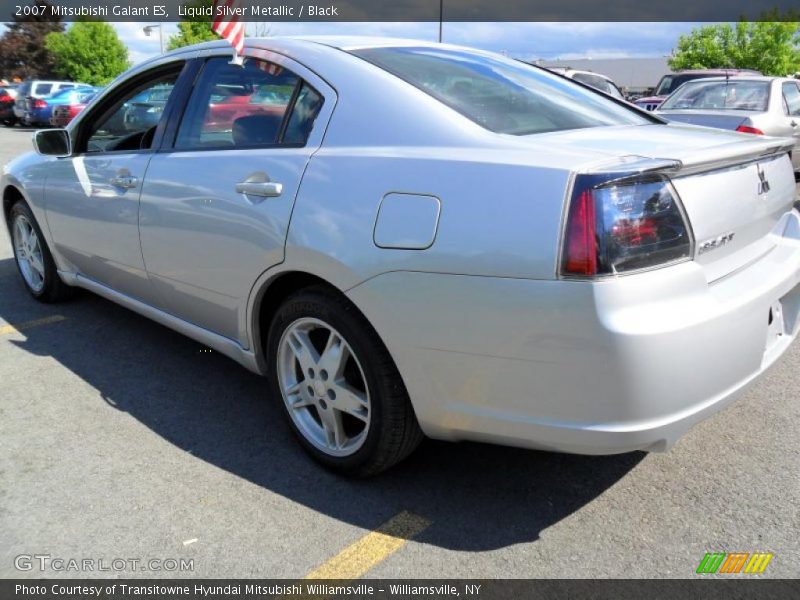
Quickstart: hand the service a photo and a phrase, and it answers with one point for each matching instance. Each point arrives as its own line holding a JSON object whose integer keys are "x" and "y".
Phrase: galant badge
{"x": 763, "y": 184}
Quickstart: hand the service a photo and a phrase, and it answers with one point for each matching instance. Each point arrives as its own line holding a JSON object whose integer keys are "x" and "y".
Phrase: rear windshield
{"x": 501, "y": 95}
{"x": 670, "y": 83}
{"x": 720, "y": 95}
{"x": 598, "y": 83}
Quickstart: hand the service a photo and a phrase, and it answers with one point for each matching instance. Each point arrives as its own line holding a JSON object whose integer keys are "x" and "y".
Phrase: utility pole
{"x": 441, "y": 18}
{"x": 149, "y": 30}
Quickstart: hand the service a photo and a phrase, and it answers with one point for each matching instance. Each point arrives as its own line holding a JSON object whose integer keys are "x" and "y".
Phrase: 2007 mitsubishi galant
{"x": 411, "y": 238}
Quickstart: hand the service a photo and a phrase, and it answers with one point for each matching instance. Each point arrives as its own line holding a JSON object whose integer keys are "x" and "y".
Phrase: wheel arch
{"x": 11, "y": 195}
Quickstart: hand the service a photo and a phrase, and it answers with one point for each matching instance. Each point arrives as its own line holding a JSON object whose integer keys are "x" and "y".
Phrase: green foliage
{"x": 89, "y": 51}
{"x": 772, "y": 47}
{"x": 193, "y": 31}
{"x": 22, "y": 49}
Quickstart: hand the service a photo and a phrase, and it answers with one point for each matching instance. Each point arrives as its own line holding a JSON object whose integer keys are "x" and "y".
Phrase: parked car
{"x": 595, "y": 80}
{"x": 8, "y": 94}
{"x": 229, "y": 104}
{"x": 429, "y": 239}
{"x": 670, "y": 83}
{"x": 64, "y": 113}
{"x": 756, "y": 104}
{"x": 34, "y": 88}
{"x": 40, "y": 110}
{"x": 144, "y": 111}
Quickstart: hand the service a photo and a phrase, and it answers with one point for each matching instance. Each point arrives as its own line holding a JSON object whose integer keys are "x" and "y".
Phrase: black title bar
{"x": 733, "y": 588}
{"x": 407, "y": 10}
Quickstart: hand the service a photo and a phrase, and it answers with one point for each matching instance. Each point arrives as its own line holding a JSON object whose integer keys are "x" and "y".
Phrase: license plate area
{"x": 782, "y": 321}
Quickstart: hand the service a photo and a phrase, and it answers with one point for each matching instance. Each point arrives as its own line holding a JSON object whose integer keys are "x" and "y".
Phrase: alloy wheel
{"x": 29, "y": 253}
{"x": 324, "y": 387}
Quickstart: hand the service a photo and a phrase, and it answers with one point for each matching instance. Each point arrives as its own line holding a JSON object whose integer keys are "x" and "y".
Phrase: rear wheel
{"x": 342, "y": 393}
{"x": 33, "y": 258}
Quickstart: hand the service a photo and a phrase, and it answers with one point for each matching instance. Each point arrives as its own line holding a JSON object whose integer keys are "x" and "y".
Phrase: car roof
{"x": 721, "y": 71}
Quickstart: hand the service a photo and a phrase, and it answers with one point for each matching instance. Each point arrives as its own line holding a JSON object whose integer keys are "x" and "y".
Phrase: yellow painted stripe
{"x": 758, "y": 563}
{"x": 11, "y": 329}
{"x": 372, "y": 549}
{"x": 764, "y": 564}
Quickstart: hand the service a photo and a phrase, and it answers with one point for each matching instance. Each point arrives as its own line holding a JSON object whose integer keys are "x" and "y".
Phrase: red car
{"x": 670, "y": 83}
{"x": 226, "y": 106}
{"x": 64, "y": 113}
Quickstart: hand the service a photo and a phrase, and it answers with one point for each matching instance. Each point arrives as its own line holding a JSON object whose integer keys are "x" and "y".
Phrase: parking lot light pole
{"x": 149, "y": 29}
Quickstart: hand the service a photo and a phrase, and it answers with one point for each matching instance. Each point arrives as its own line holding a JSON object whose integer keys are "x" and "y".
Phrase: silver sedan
{"x": 409, "y": 238}
{"x": 748, "y": 104}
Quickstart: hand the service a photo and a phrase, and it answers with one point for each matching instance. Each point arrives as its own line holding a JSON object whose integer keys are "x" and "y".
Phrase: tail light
{"x": 623, "y": 225}
{"x": 39, "y": 103}
{"x": 746, "y": 129}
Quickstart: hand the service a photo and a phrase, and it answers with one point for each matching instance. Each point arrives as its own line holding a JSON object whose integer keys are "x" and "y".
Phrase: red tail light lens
{"x": 581, "y": 250}
{"x": 746, "y": 129}
{"x": 623, "y": 225}
{"x": 39, "y": 103}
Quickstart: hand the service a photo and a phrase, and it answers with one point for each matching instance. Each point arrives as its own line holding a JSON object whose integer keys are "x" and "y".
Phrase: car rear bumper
{"x": 592, "y": 368}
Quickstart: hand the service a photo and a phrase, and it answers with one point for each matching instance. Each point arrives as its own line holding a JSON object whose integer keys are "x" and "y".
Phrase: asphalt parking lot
{"x": 122, "y": 439}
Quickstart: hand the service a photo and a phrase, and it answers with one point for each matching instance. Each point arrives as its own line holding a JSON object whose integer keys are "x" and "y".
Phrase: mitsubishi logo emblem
{"x": 763, "y": 184}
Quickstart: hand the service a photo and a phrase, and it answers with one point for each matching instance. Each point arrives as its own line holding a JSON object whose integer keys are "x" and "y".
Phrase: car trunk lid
{"x": 708, "y": 118}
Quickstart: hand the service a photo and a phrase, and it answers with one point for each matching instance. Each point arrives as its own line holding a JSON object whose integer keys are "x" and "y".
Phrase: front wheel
{"x": 342, "y": 393}
{"x": 33, "y": 258}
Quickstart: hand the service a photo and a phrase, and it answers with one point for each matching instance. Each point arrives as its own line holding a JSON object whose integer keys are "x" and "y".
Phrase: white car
{"x": 424, "y": 239}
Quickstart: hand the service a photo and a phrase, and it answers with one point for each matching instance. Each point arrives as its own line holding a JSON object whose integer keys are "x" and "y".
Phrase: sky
{"x": 527, "y": 41}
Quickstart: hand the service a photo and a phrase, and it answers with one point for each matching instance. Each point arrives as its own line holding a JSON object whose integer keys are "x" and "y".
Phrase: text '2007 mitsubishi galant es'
{"x": 415, "y": 239}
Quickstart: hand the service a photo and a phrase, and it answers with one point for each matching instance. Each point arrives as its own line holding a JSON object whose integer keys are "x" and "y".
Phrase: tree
{"x": 89, "y": 51}
{"x": 194, "y": 29}
{"x": 772, "y": 47}
{"x": 23, "y": 52}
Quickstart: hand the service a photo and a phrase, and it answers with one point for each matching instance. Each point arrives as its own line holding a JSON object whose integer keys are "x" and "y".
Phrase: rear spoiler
{"x": 735, "y": 154}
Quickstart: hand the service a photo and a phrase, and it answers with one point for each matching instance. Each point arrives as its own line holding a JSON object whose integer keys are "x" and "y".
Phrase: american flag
{"x": 228, "y": 25}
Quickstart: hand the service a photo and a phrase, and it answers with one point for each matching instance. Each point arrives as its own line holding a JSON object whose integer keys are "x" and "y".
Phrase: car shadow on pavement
{"x": 477, "y": 497}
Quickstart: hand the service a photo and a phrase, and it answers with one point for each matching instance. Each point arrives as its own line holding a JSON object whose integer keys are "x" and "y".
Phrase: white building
{"x": 633, "y": 74}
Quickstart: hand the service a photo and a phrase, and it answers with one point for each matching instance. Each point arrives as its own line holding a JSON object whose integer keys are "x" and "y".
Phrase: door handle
{"x": 793, "y": 123}
{"x": 258, "y": 184}
{"x": 125, "y": 182}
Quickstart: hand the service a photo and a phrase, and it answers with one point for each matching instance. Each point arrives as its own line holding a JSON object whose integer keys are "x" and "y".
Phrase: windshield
{"x": 501, "y": 95}
{"x": 720, "y": 95}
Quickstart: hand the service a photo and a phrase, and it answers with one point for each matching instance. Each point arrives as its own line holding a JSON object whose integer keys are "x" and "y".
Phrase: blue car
{"x": 39, "y": 110}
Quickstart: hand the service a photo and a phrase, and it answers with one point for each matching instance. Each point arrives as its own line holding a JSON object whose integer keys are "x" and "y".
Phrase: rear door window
{"x": 42, "y": 89}
{"x": 238, "y": 106}
{"x": 791, "y": 96}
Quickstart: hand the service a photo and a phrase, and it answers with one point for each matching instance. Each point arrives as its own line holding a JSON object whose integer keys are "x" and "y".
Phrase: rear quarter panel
{"x": 498, "y": 216}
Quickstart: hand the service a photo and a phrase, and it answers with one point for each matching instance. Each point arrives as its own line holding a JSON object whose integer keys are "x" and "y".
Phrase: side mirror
{"x": 52, "y": 142}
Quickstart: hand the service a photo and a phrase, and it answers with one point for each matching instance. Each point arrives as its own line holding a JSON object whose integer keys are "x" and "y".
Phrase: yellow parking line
{"x": 373, "y": 548}
{"x": 11, "y": 329}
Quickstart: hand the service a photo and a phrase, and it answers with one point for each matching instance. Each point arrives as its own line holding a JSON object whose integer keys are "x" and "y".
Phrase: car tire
{"x": 370, "y": 426}
{"x": 33, "y": 258}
